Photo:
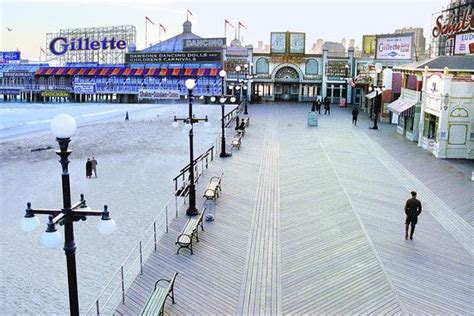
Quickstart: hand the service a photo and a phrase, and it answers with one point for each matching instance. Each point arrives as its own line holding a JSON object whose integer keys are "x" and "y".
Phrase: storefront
{"x": 443, "y": 114}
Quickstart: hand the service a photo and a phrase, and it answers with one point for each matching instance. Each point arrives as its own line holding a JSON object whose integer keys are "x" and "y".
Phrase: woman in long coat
{"x": 88, "y": 168}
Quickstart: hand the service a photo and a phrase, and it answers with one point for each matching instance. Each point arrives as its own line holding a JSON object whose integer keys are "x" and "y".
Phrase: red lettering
{"x": 466, "y": 23}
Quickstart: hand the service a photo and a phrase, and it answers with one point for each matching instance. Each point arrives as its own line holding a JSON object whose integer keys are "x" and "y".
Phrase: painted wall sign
{"x": 464, "y": 44}
{"x": 199, "y": 44}
{"x": 61, "y": 45}
{"x": 84, "y": 88}
{"x": 157, "y": 94}
{"x": 277, "y": 42}
{"x": 184, "y": 57}
{"x": 55, "y": 93}
{"x": 394, "y": 47}
{"x": 465, "y": 24}
{"x": 297, "y": 43}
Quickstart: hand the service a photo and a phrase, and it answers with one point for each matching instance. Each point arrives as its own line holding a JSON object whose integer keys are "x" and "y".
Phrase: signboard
{"x": 9, "y": 91}
{"x": 368, "y": 45}
{"x": 277, "y": 43}
{"x": 394, "y": 47}
{"x": 157, "y": 94}
{"x": 18, "y": 74}
{"x": 312, "y": 119}
{"x": 464, "y": 44}
{"x": 6, "y": 57}
{"x": 464, "y": 24}
{"x": 55, "y": 93}
{"x": 61, "y": 45}
{"x": 336, "y": 69}
{"x": 84, "y": 88}
{"x": 184, "y": 57}
{"x": 199, "y": 44}
{"x": 297, "y": 43}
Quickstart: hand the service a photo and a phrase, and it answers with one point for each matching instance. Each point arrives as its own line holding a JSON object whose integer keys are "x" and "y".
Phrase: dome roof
{"x": 235, "y": 43}
{"x": 187, "y": 26}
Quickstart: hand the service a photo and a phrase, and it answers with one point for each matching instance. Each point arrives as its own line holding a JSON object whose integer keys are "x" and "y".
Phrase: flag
{"x": 190, "y": 13}
{"x": 227, "y": 22}
{"x": 161, "y": 26}
{"x": 147, "y": 18}
{"x": 240, "y": 24}
{"x": 43, "y": 50}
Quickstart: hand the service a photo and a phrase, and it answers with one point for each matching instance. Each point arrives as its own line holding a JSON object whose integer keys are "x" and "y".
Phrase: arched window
{"x": 311, "y": 67}
{"x": 262, "y": 66}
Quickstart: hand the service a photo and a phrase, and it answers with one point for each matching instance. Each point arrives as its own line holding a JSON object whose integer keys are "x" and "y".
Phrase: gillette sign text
{"x": 61, "y": 45}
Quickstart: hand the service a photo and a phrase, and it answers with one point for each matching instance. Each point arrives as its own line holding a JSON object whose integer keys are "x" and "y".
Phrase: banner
{"x": 199, "y": 44}
{"x": 464, "y": 44}
{"x": 84, "y": 88}
{"x": 185, "y": 57}
{"x": 394, "y": 47}
{"x": 157, "y": 94}
{"x": 55, "y": 93}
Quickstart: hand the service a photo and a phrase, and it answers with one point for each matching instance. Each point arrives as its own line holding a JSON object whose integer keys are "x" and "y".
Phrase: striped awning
{"x": 402, "y": 107}
{"x": 125, "y": 71}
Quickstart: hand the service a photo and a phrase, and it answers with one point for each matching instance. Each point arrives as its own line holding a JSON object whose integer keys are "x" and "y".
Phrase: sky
{"x": 330, "y": 20}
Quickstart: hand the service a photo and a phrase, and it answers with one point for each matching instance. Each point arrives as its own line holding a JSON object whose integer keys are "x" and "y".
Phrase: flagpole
{"x": 239, "y": 31}
{"x": 159, "y": 32}
{"x": 225, "y": 28}
{"x": 146, "y": 32}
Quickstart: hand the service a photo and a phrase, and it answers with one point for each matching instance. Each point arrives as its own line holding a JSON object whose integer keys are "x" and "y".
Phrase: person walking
{"x": 88, "y": 168}
{"x": 318, "y": 106}
{"x": 313, "y": 106}
{"x": 94, "y": 166}
{"x": 355, "y": 113}
{"x": 412, "y": 210}
{"x": 327, "y": 106}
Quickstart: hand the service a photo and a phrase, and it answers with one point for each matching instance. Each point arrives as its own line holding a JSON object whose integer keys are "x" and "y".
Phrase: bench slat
{"x": 155, "y": 302}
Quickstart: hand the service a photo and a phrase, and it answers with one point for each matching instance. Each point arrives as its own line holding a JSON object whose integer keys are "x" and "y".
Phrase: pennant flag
{"x": 43, "y": 50}
{"x": 161, "y": 26}
{"x": 227, "y": 22}
{"x": 148, "y": 19}
{"x": 240, "y": 24}
{"x": 188, "y": 13}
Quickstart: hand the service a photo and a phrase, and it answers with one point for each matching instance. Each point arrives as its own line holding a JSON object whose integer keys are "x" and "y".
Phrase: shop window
{"x": 410, "y": 124}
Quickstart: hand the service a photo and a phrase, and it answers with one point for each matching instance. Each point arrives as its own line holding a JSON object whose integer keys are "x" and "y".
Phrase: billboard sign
{"x": 184, "y": 57}
{"x": 277, "y": 43}
{"x": 465, "y": 23}
{"x": 61, "y": 45}
{"x": 464, "y": 44}
{"x": 336, "y": 69}
{"x": 394, "y": 47}
{"x": 6, "y": 57}
{"x": 368, "y": 45}
{"x": 297, "y": 43}
{"x": 157, "y": 94}
{"x": 55, "y": 93}
{"x": 199, "y": 44}
{"x": 84, "y": 88}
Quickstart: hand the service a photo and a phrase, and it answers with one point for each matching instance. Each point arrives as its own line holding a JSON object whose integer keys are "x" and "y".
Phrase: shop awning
{"x": 402, "y": 107}
{"x": 125, "y": 71}
{"x": 371, "y": 95}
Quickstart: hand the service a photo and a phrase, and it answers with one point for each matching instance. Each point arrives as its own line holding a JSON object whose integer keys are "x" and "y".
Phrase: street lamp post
{"x": 190, "y": 85}
{"x": 347, "y": 67}
{"x": 64, "y": 126}
{"x": 222, "y": 100}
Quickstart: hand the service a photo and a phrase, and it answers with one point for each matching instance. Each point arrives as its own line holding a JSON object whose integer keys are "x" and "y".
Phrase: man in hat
{"x": 412, "y": 210}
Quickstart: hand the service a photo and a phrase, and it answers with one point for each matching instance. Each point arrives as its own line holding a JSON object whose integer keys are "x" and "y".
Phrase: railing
{"x": 114, "y": 291}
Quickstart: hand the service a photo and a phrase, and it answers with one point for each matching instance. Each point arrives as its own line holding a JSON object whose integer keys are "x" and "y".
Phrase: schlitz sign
{"x": 465, "y": 24}
{"x": 185, "y": 57}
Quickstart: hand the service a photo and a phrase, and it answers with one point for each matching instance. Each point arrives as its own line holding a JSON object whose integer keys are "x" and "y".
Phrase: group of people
{"x": 316, "y": 107}
{"x": 91, "y": 167}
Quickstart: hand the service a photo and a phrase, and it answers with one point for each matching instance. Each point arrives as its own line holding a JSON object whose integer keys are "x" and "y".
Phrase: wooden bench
{"x": 246, "y": 120}
{"x": 236, "y": 141}
{"x": 156, "y": 303}
{"x": 185, "y": 239}
{"x": 212, "y": 191}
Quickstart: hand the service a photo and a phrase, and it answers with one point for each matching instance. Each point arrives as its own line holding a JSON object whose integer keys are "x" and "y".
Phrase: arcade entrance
{"x": 286, "y": 91}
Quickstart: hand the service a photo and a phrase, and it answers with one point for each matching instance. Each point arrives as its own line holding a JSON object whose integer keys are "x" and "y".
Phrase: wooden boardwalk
{"x": 310, "y": 221}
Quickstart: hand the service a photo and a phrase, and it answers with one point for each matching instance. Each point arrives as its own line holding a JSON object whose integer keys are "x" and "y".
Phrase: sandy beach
{"x": 137, "y": 160}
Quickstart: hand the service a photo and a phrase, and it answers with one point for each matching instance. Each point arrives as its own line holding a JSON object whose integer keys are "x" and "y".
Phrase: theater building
{"x": 287, "y": 73}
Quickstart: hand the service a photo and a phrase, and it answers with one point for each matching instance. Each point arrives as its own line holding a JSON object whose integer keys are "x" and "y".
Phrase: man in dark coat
{"x": 412, "y": 210}
{"x": 318, "y": 106}
{"x": 327, "y": 106}
{"x": 355, "y": 113}
{"x": 313, "y": 106}
{"x": 88, "y": 168}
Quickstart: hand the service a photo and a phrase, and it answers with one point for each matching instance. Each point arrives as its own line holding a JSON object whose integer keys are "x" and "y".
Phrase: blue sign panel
{"x": 7, "y": 56}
